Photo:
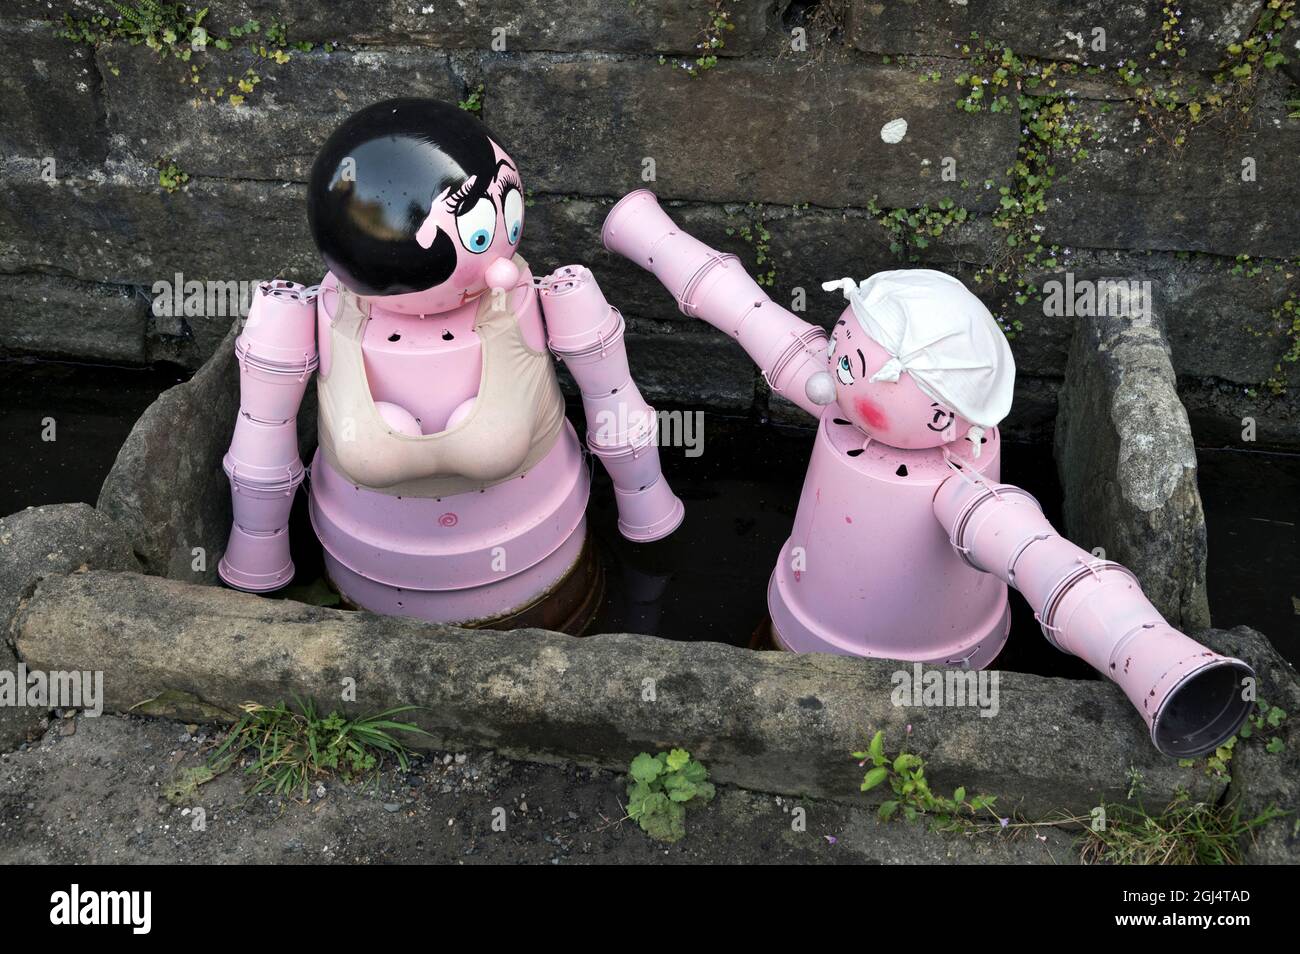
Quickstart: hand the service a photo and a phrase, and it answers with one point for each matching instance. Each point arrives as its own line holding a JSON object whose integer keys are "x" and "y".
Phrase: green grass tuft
{"x": 287, "y": 750}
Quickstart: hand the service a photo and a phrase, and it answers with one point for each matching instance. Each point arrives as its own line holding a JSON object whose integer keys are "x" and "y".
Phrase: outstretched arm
{"x": 277, "y": 354}
{"x": 1190, "y": 697}
{"x": 715, "y": 287}
{"x": 586, "y": 333}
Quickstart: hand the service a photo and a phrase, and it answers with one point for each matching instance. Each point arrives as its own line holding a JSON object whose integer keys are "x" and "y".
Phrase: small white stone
{"x": 894, "y": 131}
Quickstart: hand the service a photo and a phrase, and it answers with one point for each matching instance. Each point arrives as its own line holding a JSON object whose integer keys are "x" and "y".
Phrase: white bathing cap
{"x": 937, "y": 331}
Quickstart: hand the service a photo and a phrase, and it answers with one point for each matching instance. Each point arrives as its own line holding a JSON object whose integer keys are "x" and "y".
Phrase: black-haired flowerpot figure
{"x": 448, "y": 484}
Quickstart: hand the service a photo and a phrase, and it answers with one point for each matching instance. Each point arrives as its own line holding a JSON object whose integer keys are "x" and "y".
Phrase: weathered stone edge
{"x": 766, "y": 721}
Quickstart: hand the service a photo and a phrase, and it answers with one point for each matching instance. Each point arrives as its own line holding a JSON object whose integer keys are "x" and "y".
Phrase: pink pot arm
{"x": 277, "y": 354}
{"x": 715, "y": 287}
{"x": 586, "y": 333}
{"x": 1190, "y": 697}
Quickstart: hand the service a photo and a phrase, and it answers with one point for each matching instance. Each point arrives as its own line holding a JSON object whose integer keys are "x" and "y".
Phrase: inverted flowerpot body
{"x": 868, "y": 572}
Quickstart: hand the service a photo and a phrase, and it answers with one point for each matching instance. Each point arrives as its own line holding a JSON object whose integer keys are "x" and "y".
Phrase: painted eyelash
{"x": 457, "y": 198}
{"x": 510, "y": 180}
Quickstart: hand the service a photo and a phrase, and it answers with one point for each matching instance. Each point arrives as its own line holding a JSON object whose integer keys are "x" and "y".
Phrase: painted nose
{"x": 503, "y": 274}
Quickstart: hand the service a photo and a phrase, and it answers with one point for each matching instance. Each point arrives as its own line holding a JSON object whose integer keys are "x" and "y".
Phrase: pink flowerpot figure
{"x": 448, "y": 483}
{"x": 905, "y": 541}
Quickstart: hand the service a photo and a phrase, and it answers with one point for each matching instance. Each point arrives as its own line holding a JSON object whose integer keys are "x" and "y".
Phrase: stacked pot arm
{"x": 276, "y": 354}
{"x": 586, "y": 333}
{"x": 1191, "y": 698}
{"x": 716, "y": 288}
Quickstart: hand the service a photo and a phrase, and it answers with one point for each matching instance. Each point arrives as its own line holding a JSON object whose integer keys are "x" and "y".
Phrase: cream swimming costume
{"x": 514, "y": 422}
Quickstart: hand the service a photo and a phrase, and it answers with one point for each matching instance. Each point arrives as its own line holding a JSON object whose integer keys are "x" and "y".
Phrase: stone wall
{"x": 773, "y": 153}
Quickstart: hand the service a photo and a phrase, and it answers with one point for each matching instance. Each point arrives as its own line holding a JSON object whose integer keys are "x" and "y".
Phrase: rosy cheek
{"x": 870, "y": 412}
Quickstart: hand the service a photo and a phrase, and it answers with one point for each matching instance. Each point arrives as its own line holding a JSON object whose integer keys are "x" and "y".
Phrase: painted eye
{"x": 844, "y": 370}
{"x": 941, "y": 420}
{"x": 513, "y": 207}
{"x": 477, "y": 226}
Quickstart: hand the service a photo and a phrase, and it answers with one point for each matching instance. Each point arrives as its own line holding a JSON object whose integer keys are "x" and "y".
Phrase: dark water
{"x": 708, "y": 581}
{"x": 93, "y": 408}
{"x": 1252, "y": 509}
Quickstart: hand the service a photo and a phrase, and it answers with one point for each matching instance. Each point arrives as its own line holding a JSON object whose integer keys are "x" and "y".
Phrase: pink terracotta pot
{"x": 281, "y": 325}
{"x": 650, "y": 513}
{"x": 631, "y": 466}
{"x": 868, "y": 572}
{"x": 492, "y": 599}
{"x": 620, "y": 418}
{"x": 256, "y": 562}
{"x": 263, "y": 453}
{"x": 262, "y": 509}
{"x": 578, "y": 318}
{"x": 268, "y": 394}
{"x": 601, "y": 368}
{"x": 457, "y": 543}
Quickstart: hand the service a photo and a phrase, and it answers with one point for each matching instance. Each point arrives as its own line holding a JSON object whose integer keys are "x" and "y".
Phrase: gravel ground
{"x": 91, "y": 790}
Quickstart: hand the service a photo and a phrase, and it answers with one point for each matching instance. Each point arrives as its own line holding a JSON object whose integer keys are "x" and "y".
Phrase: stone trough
{"x": 129, "y": 588}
